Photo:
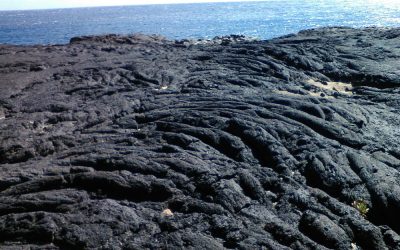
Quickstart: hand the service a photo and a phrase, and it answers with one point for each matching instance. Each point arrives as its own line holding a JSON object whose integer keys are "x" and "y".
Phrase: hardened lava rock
{"x": 139, "y": 142}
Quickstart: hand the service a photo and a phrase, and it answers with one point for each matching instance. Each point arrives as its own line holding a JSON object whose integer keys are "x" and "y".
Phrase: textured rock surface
{"x": 139, "y": 142}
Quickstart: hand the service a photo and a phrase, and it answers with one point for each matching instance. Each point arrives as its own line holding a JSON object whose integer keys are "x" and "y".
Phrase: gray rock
{"x": 138, "y": 142}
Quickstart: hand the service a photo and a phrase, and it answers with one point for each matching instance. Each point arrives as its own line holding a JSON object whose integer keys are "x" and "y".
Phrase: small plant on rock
{"x": 361, "y": 206}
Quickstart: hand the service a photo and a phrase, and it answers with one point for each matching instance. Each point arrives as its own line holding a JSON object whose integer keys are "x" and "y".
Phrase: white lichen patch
{"x": 354, "y": 246}
{"x": 167, "y": 213}
{"x": 164, "y": 87}
{"x": 2, "y": 114}
{"x": 341, "y": 87}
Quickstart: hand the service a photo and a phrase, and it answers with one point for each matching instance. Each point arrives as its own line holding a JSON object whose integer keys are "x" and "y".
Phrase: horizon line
{"x": 139, "y": 4}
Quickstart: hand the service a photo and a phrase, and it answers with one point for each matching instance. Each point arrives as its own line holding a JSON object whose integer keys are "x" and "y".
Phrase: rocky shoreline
{"x": 139, "y": 142}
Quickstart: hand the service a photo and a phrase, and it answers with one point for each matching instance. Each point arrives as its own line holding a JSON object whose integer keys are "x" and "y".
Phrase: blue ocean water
{"x": 264, "y": 20}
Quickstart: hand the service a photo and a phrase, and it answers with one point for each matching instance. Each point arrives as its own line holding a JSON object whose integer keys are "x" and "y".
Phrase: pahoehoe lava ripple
{"x": 139, "y": 142}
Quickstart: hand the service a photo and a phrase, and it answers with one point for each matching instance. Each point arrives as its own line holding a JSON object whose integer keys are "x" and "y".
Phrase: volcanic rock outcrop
{"x": 139, "y": 142}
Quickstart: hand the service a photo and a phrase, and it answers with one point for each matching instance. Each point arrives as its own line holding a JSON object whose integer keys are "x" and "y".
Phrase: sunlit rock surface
{"x": 144, "y": 143}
